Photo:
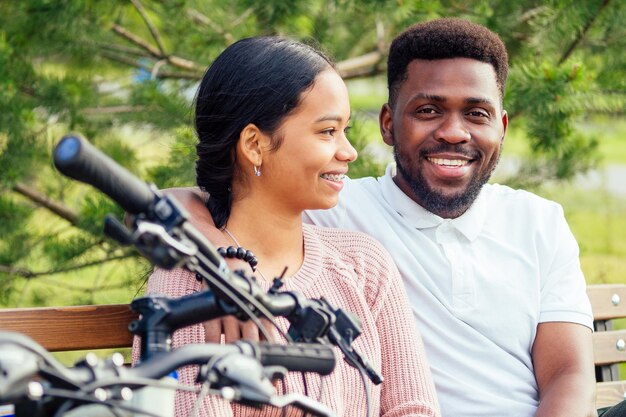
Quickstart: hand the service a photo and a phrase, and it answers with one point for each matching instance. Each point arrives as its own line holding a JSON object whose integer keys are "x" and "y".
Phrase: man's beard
{"x": 448, "y": 206}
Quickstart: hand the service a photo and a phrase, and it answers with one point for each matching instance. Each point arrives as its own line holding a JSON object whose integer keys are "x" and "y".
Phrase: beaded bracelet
{"x": 239, "y": 253}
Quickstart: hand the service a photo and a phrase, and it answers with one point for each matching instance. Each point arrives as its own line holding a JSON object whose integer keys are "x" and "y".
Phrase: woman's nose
{"x": 345, "y": 150}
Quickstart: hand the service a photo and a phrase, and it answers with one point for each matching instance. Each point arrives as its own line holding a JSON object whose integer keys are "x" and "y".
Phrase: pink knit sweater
{"x": 354, "y": 272}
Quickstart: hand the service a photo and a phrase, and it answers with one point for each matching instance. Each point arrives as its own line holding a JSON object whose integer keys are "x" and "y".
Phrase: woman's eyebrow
{"x": 331, "y": 117}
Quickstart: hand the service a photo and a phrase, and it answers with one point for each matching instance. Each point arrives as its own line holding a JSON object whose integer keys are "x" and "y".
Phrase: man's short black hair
{"x": 444, "y": 39}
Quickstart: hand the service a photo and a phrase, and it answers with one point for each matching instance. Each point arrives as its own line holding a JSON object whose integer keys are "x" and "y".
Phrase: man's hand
{"x": 233, "y": 329}
{"x": 193, "y": 200}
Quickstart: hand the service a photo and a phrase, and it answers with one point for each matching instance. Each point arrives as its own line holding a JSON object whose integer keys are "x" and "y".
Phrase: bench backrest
{"x": 106, "y": 326}
{"x": 608, "y": 302}
{"x": 73, "y": 328}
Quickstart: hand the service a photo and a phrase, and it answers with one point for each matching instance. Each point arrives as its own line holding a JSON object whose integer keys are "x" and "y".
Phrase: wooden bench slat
{"x": 73, "y": 328}
{"x": 605, "y": 347}
{"x": 610, "y": 393}
{"x": 608, "y": 301}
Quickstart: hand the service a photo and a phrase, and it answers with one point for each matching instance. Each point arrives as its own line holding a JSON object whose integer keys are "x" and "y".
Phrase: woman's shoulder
{"x": 357, "y": 248}
{"x": 343, "y": 238}
{"x": 360, "y": 258}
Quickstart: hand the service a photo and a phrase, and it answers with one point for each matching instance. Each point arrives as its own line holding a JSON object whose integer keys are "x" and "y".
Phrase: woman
{"x": 271, "y": 119}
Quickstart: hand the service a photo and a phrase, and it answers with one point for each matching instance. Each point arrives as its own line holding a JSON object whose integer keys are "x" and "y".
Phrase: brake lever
{"x": 166, "y": 250}
{"x": 159, "y": 233}
{"x": 344, "y": 342}
{"x": 160, "y": 247}
{"x": 248, "y": 383}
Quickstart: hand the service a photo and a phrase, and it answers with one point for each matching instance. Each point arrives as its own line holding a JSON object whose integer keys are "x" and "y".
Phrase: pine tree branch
{"x": 368, "y": 64}
{"x": 180, "y": 75}
{"x": 242, "y": 17}
{"x": 114, "y": 110}
{"x": 26, "y": 273}
{"x": 15, "y": 271}
{"x": 182, "y": 63}
{"x": 154, "y": 52}
{"x": 582, "y": 33}
{"x": 45, "y": 201}
{"x": 204, "y": 20}
{"x": 124, "y": 60}
{"x": 530, "y": 14}
{"x": 161, "y": 74}
{"x": 153, "y": 30}
{"x": 381, "y": 45}
{"x": 129, "y": 50}
{"x": 128, "y": 35}
{"x": 361, "y": 66}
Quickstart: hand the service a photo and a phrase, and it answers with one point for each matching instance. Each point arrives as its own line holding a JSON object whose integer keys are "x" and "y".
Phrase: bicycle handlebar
{"x": 299, "y": 357}
{"x": 78, "y": 159}
{"x": 22, "y": 360}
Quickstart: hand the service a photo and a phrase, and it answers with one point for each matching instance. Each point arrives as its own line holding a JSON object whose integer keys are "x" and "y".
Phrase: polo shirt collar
{"x": 469, "y": 224}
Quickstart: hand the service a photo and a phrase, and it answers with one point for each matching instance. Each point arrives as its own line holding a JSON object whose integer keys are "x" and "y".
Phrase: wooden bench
{"x": 608, "y": 302}
{"x": 87, "y": 327}
{"x": 106, "y": 326}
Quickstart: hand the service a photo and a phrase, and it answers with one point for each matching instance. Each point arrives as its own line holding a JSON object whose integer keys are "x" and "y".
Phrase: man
{"x": 492, "y": 273}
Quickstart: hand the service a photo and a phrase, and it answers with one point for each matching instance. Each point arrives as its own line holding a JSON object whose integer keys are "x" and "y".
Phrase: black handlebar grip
{"x": 299, "y": 357}
{"x": 78, "y": 159}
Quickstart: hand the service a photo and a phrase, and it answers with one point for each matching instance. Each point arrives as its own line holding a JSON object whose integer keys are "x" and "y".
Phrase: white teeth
{"x": 333, "y": 177}
{"x": 448, "y": 162}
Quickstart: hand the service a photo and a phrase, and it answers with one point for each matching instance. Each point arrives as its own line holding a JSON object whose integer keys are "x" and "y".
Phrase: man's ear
{"x": 251, "y": 144}
{"x": 385, "y": 122}
{"x": 505, "y": 124}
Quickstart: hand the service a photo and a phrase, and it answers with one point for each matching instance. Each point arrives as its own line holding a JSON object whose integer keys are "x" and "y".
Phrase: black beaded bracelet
{"x": 239, "y": 253}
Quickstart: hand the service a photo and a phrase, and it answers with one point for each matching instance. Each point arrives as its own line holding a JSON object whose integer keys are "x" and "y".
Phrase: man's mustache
{"x": 460, "y": 149}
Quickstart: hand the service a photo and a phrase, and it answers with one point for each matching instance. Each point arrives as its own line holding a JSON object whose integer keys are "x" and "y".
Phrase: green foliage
{"x": 550, "y": 98}
{"x": 13, "y": 217}
{"x": 93, "y": 209}
{"x": 98, "y": 67}
{"x": 162, "y": 105}
{"x": 179, "y": 170}
{"x": 366, "y": 164}
{"x": 61, "y": 250}
{"x": 598, "y": 223}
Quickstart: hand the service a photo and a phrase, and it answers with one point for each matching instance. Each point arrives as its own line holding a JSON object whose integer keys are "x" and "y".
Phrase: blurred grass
{"x": 368, "y": 94}
{"x": 598, "y": 221}
{"x": 609, "y": 131}
{"x": 611, "y": 134}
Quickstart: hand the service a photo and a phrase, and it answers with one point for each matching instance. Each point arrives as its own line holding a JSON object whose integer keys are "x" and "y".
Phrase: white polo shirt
{"x": 479, "y": 285}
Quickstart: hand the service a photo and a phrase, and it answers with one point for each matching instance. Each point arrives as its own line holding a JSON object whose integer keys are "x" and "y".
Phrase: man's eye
{"x": 478, "y": 113}
{"x": 427, "y": 110}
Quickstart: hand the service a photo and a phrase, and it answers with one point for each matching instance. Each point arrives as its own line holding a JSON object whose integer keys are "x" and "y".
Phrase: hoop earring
{"x": 257, "y": 170}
